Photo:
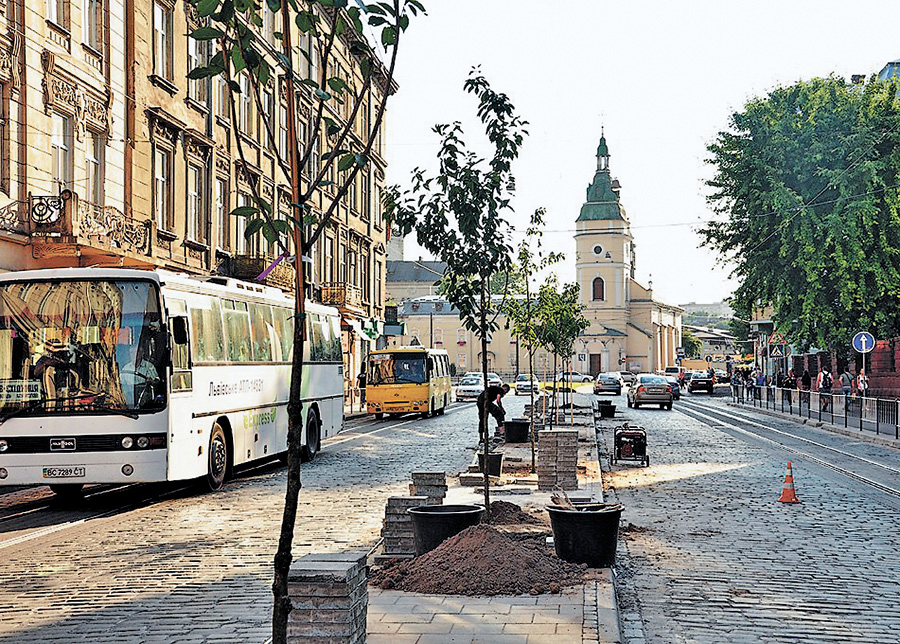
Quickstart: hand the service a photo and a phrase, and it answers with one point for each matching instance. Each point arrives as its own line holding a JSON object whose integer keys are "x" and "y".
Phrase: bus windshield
{"x": 81, "y": 346}
{"x": 396, "y": 368}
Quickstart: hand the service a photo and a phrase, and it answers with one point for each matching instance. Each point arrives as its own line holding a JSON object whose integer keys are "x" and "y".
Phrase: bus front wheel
{"x": 311, "y": 448}
{"x": 379, "y": 416}
{"x": 216, "y": 459}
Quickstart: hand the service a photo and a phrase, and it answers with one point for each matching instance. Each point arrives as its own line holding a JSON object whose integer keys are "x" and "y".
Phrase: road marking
{"x": 808, "y": 456}
{"x": 337, "y": 440}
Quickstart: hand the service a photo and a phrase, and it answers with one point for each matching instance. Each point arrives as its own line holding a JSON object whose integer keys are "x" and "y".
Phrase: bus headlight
{"x": 127, "y": 470}
{"x": 3, "y": 473}
{"x": 3, "y": 445}
{"x": 142, "y": 442}
{"x": 127, "y": 442}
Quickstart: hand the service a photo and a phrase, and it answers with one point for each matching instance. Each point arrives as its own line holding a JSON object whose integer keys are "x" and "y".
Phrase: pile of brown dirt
{"x": 482, "y": 561}
{"x": 506, "y": 513}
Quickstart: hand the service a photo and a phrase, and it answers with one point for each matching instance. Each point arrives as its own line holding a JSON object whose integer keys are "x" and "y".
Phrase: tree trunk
{"x": 483, "y": 424}
{"x": 555, "y": 392}
{"x": 530, "y": 369}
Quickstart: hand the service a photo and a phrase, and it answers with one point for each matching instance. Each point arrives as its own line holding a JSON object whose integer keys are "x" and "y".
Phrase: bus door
{"x": 181, "y": 426}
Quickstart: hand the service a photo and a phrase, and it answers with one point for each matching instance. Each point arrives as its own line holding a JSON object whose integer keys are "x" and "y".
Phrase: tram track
{"x": 708, "y": 414}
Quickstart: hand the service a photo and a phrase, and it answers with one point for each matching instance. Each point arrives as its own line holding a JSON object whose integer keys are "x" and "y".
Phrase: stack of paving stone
{"x": 399, "y": 540}
{"x": 429, "y": 484}
{"x": 329, "y": 598}
{"x": 557, "y": 459}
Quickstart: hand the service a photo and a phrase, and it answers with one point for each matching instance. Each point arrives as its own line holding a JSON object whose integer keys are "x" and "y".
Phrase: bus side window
{"x": 284, "y": 330}
{"x": 237, "y": 331}
{"x": 261, "y": 323}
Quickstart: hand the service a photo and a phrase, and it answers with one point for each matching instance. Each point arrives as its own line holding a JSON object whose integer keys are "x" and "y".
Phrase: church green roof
{"x": 602, "y": 202}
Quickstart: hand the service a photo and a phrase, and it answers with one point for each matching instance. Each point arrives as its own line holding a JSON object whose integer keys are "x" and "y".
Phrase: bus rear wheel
{"x": 444, "y": 408}
{"x": 216, "y": 459}
{"x": 311, "y": 447}
{"x": 68, "y": 491}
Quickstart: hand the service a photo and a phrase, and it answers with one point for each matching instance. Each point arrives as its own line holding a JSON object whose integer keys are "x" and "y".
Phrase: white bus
{"x": 122, "y": 376}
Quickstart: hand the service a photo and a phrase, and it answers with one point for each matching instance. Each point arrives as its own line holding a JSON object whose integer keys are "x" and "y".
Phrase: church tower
{"x": 604, "y": 264}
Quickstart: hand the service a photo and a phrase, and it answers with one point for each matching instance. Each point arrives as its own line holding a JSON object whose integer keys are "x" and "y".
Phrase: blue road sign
{"x": 863, "y": 342}
{"x": 776, "y": 351}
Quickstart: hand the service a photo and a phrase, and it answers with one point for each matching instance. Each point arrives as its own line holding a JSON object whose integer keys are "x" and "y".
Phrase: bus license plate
{"x": 64, "y": 472}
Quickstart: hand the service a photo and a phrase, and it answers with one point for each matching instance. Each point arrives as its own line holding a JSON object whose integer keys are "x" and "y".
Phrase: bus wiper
{"x": 113, "y": 410}
{"x": 34, "y": 404}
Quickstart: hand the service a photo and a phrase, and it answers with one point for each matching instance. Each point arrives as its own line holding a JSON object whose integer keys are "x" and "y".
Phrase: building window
{"x": 93, "y": 24}
{"x": 329, "y": 259}
{"x": 222, "y": 214}
{"x": 93, "y": 189}
{"x": 162, "y": 39}
{"x": 599, "y": 289}
{"x": 364, "y": 277}
{"x": 246, "y": 120}
{"x": 162, "y": 187}
{"x": 61, "y": 151}
{"x": 283, "y": 132}
{"x": 58, "y": 13}
{"x": 198, "y": 56}
{"x": 196, "y": 206}
{"x": 223, "y": 104}
{"x": 5, "y": 160}
{"x": 240, "y": 241}
{"x": 378, "y": 291}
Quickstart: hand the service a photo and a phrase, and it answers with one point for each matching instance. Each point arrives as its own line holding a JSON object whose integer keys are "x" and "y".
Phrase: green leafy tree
{"x": 806, "y": 186}
{"x": 333, "y": 144}
{"x": 559, "y": 321}
{"x": 520, "y": 312}
{"x": 458, "y": 216}
{"x": 691, "y": 343}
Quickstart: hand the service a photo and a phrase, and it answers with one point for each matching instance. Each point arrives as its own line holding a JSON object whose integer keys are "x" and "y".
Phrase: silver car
{"x": 650, "y": 389}
{"x": 526, "y": 384}
{"x": 469, "y": 388}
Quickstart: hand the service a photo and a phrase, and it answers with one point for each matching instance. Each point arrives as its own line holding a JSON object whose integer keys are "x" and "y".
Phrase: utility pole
{"x": 431, "y": 329}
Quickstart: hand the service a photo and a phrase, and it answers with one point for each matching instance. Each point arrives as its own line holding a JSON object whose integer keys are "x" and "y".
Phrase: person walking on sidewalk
{"x": 790, "y": 383}
{"x": 361, "y": 383}
{"x": 846, "y": 383}
{"x": 862, "y": 383}
{"x": 494, "y": 395}
{"x": 824, "y": 384}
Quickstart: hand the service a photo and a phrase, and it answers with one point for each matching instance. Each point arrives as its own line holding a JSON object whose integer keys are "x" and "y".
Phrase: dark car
{"x": 700, "y": 380}
{"x": 650, "y": 389}
{"x": 608, "y": 383}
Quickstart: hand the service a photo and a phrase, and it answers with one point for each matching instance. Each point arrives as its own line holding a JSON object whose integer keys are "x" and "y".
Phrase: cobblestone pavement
{"x": 710, "y": 556}
{"x": 196, "y": 568}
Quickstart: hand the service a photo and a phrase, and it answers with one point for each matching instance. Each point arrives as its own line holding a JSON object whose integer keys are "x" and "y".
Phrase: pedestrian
{"x": 760, "y": 384}
{"x": 805, "y": 380}
{"x": 494, "y": 395}
{"x": 824, "y": 383}
{"x": 790, "y": 383}
{"x": 846, "y": 383}
{"x": 361, "y": 383}
{"x": 862, "y": 383}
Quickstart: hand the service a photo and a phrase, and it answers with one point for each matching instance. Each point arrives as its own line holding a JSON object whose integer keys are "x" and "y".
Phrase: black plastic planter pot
{"x": 516, "y": 431}
{"x": 495, "y": 463}
{"x": 587, "y": 535}
{"x": 604, "y": 401}
{"x": 607, "y": 411}
{"x": 432, "y": 524}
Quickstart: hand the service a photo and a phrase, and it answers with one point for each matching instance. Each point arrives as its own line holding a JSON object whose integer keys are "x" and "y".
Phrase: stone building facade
{"x": 110, "y": 156}
{"x": 629, "y": 329}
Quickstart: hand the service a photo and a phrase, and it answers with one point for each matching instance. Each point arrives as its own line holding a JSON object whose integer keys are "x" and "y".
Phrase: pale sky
{"x": 662, "y": 77}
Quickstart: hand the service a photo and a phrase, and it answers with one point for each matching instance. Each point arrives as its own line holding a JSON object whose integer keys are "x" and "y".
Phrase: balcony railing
{"x": 342, "y": 295}
{"x": 14, "y": 217}
{"x": 68, "y": 219}
{"x": 249, "y": 267}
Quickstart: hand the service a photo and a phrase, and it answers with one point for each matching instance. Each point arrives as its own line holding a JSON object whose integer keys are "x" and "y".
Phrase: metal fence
{"x": 874, "y": 414}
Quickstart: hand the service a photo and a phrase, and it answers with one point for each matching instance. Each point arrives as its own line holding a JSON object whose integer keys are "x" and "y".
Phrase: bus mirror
{"x": 179, "y": 330}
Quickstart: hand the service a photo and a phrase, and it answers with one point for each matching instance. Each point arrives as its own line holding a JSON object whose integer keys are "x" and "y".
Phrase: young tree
{"x": 559, "y": 321}
{"x": 691, "y": 343}
{"x": 806, "y": 184}
{"x": 458, "y": 216}
{"x": 520, "y": 313}
{"x": 333, "y": 144}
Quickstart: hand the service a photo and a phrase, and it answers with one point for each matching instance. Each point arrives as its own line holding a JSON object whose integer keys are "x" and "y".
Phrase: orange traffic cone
{"x": 788, "y": 494}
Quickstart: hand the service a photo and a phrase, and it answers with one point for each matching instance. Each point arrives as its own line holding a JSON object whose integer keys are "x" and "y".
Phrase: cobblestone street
{"x": 197, "y": 567}
{"x": 712, "y": 556}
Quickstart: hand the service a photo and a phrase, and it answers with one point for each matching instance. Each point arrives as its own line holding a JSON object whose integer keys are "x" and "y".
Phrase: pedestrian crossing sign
{"x": 776, "y": 351}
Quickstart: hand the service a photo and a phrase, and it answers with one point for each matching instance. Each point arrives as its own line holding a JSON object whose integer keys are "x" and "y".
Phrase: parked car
{"x": 608, "y": 383}
{"x": 722, "y": 376}
{"x": 572, "y": 376}
{"x": 673, "y": 371}
{"x": 470, "y": 387}
{"x": 627, "y": 377}
{"x": 700, "y": 380}
{"x": 493, "y": 379}
{"x": 676, "y": 388}
{"x": 526, "y": 384}
{"x": 650, "y": 389}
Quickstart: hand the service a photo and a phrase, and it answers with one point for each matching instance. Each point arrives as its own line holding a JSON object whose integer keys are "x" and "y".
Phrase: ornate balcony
{"x": 14, "y": 218}
{"x": 62, "y": 223}
{"x": 342, "y": 295}
{"x": 249, "y": 267}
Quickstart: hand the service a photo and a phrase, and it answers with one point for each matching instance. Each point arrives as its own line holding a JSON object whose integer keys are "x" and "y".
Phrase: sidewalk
{"x": 585, "y": 614}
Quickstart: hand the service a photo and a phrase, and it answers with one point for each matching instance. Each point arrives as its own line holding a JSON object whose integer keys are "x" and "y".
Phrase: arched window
{"x": 599, "y": 289}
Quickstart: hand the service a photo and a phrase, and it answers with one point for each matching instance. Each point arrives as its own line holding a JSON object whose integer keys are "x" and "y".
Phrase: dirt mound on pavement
{"x": 482, "y": 561}
{"x": 506, "y": 513}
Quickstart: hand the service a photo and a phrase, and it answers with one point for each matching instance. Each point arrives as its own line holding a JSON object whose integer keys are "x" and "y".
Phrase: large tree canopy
{"x": 806, "y": 189}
